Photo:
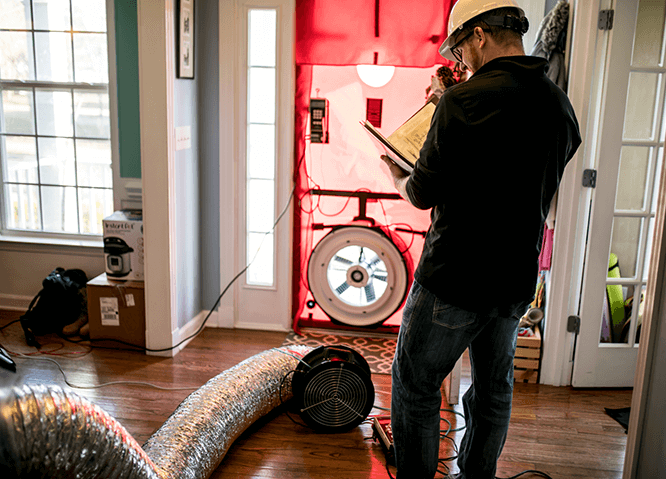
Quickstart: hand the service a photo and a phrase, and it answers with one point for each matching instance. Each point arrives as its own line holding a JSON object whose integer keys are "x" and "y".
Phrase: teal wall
{"x": 127, "y": 68}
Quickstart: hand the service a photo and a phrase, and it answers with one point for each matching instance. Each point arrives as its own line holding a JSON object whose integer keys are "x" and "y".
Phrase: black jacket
{"x": 489, "y": 167}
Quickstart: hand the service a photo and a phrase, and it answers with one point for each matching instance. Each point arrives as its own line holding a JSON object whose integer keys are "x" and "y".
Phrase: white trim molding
{"x": 156, "y": 83}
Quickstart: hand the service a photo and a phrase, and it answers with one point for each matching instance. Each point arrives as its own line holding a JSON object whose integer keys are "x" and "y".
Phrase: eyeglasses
{"x": 455, "y": 49}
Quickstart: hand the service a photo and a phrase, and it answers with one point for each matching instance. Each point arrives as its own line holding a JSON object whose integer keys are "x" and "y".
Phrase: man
{"x": 491, "y": 163}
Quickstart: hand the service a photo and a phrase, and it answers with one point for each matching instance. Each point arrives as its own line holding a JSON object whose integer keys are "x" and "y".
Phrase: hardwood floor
{"x": 561, "y": 431}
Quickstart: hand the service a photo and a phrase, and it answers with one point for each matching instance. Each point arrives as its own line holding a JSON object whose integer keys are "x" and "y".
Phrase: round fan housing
{"x": 357, "y": 276}
{"x": 333, "y": 389}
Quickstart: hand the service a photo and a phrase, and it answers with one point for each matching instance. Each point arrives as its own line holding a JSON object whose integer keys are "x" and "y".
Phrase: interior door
{"x": 629, "y": 156}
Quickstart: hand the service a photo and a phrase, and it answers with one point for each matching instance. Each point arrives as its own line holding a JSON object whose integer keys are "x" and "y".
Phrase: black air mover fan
{"x": 332, "y": 389}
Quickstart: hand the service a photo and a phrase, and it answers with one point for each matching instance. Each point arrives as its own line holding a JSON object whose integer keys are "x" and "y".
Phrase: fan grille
{"x": 336, "y": 397}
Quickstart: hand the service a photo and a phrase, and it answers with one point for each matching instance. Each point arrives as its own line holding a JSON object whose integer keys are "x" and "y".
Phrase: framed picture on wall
{"x": 185, "y": 67}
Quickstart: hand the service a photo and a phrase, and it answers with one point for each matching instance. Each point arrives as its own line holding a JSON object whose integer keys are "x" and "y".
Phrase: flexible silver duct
{"x": 51, "y": 433}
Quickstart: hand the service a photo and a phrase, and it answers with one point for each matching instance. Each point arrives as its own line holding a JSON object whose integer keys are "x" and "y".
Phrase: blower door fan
{"x": 333, "y": 389}
{"x": 357, "y": 276}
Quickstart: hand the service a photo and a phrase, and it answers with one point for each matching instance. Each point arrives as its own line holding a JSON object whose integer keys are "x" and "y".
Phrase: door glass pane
{"x": 262, "y": 31}
{"x": 17, "y": 110}
{"x": 260, "y": 205}
{"x": 16, "y": 56}
{"x": 260, "y": 271}
{"x": 648, "y": 40}
{"x": 624, "y": 244}
{"x": 261, "y": 95}
{"x": 631, "y": 183}
{"x": 261, "y": 151}
{"x": 616, "y": 313}
{"x": 56, "y": 161}
{"x": 54, "y": 113}
{"x": 54, "y": 56}
{"x": 639, "y": 122}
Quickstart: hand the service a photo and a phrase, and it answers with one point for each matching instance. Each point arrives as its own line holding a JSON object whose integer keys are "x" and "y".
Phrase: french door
{"x": 628, "y": 155}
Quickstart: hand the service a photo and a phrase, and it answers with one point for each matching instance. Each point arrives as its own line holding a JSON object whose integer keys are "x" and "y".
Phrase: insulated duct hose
{"x": 48, "y": 432}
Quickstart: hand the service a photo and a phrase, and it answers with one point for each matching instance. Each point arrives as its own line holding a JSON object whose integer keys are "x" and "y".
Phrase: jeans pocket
{"x": 452, "y": 317}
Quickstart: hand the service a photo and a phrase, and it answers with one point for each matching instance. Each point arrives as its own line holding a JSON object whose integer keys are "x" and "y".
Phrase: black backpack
{"x": 56, "y": 305}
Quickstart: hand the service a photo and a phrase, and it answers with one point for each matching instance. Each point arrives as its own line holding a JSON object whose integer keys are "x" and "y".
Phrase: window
{"x": 55, "y": 147}
{"x": 261, "y": 146}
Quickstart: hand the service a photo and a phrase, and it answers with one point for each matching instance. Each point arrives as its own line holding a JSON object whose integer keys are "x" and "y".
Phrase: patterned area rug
{"x": 378, "y": 352}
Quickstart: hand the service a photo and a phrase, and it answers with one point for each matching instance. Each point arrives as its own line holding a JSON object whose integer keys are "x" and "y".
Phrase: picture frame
{"x": 185, "y": 40}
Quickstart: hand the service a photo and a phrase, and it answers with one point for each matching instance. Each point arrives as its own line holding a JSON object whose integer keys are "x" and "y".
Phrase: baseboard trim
{"x": 262, "y": 327}
{"x": 14, "y": 302}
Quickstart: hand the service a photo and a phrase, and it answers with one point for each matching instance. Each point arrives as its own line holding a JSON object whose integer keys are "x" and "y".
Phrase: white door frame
{"x": 573, "y": 199}
{"x": 253, "y": 307}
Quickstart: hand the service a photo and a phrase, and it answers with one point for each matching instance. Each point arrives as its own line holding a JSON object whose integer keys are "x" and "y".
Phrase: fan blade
{"x": 342, "y": 288}
{"x": 369, "y": 293}
{"x": 342, "y": 260}
{"x": 374, "y": 261}
{"x": 380, "y": 277}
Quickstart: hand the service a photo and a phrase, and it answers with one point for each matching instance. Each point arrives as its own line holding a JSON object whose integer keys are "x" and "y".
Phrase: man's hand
{"x": 399, "y": 176}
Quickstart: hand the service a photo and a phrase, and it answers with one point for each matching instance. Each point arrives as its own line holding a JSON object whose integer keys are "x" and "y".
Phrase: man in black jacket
{"x": 515, "y": 132}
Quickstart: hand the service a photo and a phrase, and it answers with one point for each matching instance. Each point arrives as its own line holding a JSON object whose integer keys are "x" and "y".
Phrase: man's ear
{"x": 480, "y": 34}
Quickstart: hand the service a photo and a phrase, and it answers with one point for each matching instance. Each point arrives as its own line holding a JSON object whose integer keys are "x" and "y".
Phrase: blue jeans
{"x": 433, "y": 335}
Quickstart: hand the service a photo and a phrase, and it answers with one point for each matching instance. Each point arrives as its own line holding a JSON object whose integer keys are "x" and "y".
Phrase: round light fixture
{"x": 375, "y": 76}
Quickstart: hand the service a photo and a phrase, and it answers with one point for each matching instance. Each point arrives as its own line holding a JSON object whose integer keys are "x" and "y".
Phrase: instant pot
{"x": 117, "y": 254}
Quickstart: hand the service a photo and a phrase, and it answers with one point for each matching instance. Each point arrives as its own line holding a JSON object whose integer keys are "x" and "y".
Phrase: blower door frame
{"x": 385, "y": 268}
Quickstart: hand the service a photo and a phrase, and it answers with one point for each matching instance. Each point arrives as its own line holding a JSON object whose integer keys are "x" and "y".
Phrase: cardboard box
{"x": 123, "y": 245}
{"x": 116, "y": 310}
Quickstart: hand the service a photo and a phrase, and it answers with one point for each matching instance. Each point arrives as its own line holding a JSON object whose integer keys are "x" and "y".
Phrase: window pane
{"x": 261, "y": 91}
{"x": 95, "y": 205}
{"x": 54, "y": 56}
{"x": 262, "y": 29}
{"x": 56, "y": 161}
{"x": 90, "y": 58}
{"x": 631, "y": 182}
{"x": 261, "y": 151}
{"x": 22, "y": 207}
{"x": 616, "y": 313}
{"x": 626, "y": 233}
{"x": 260, "y": 205}
{"x": 89, "y": 15}
{"x": 54, "y": 113}
{"x": 92, "y": 115}
{"x": 639, "y": 121}
{"x": 93, "y": 160}
{"x": 649, "y": 33}
{"x": 21, "y": 159}
{"x": 59, "y": 206}
{"x": 16, "y": 58}
{"x": 260, "y": 271}
{"x": 52, "y": 15}
{"x": 17, "y": 110}
{"x": 15, "y": 14}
